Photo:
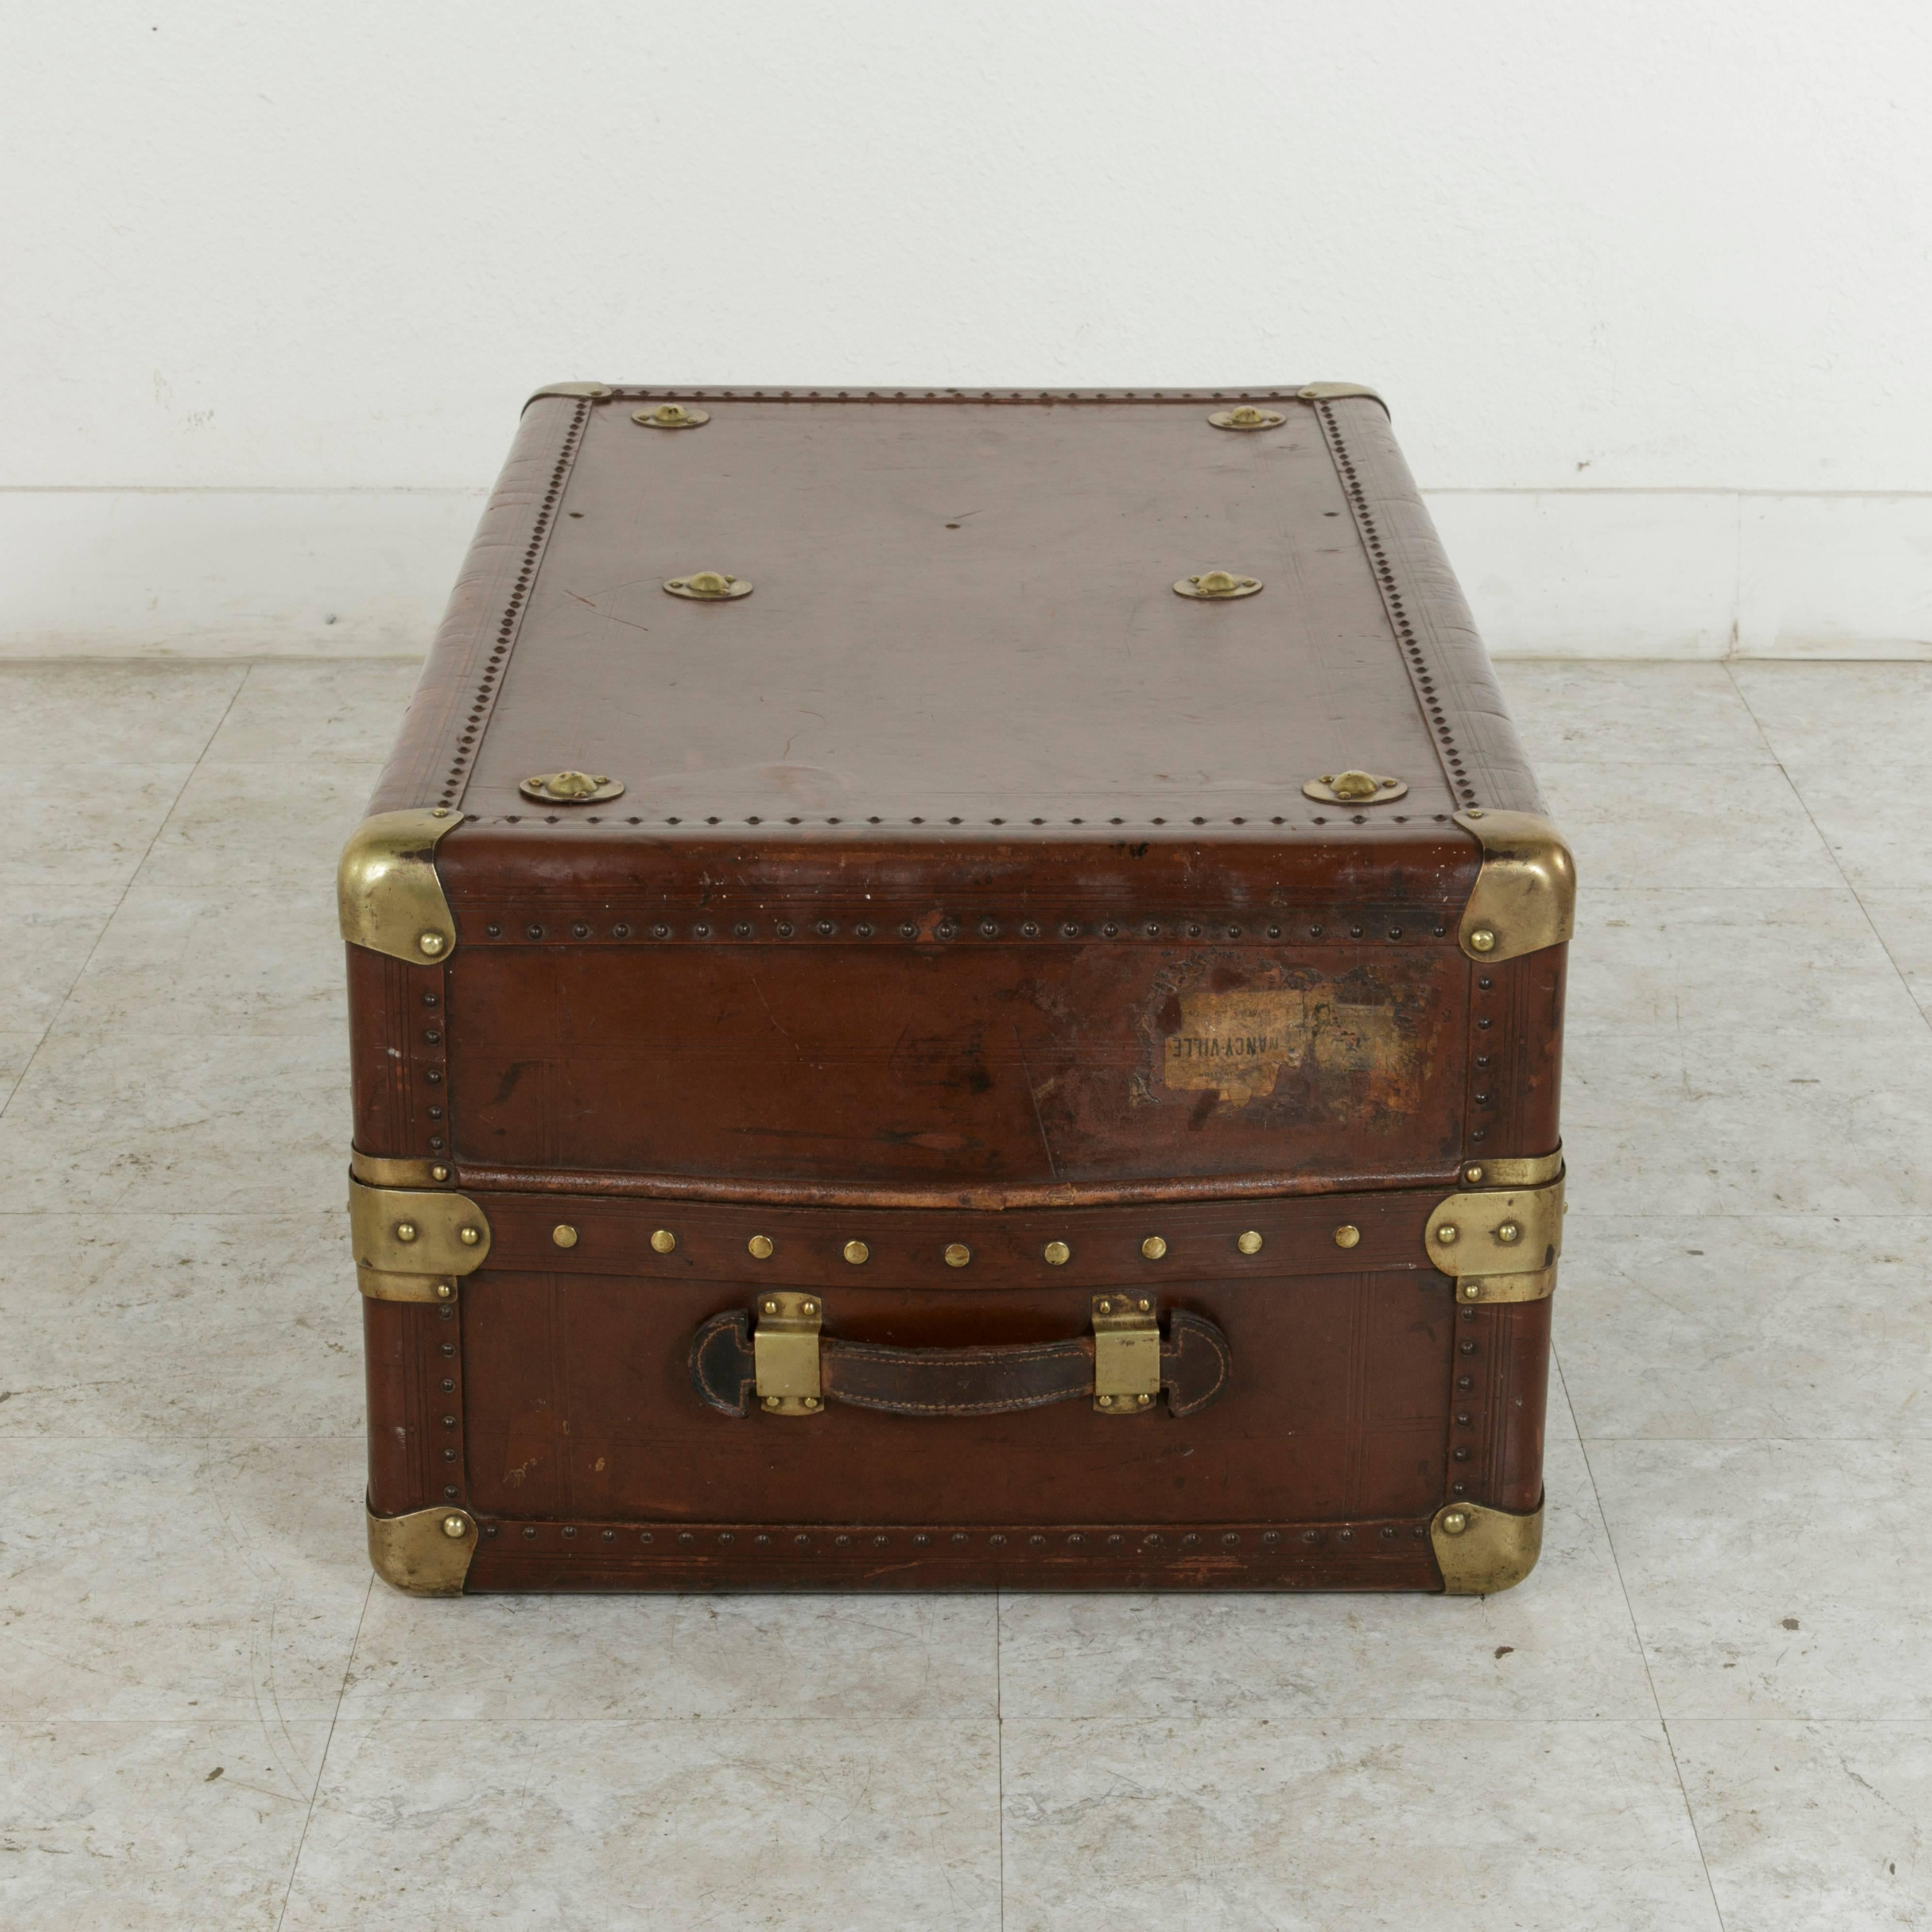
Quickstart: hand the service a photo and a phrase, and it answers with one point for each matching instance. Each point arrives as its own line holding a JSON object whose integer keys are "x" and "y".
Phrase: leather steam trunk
{"x": 955, "y": 991}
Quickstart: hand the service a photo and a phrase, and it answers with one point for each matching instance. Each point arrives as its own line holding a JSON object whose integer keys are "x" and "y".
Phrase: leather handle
{"x": 1194, "y": 1362}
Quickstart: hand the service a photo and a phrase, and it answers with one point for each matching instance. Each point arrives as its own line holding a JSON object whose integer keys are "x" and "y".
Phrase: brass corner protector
{"x": 1334, "y": 392}
{"x": 1481, "y": 1550}
{"x": 594, "y": 392}
{"x": 426, "y": 1553}
{"x": 1524, "y": 897}
{"x": 1498, "y": 1231}
{"x": 411, "y": 1245}
{"x": 387, "y": 896}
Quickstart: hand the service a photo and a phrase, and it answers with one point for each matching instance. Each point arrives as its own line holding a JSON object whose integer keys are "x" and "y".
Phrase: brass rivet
{"x": 771, "y": 1308}
{"x": 1510, "y": 1233}
{"x": 454, "y": 1526}
{"x": 1103, "y": 1307}
{"x": 1143, "y": 1400}
{"x": 857, "y": 1253}
{"x": 1347, "y": 1235}
{"x": 1057, "y": 1254}
{"x": 1354, "y": 784}
{"x": 571, "y": 787}
{"x": 564, "y": 1234}
{"x": 1144, "y": 1304}
{"x": 708, "y": 586}
{"x": 771, "y": 1402}
{"x": 469, "y": 1237}
{"x": 431, "y": 944}
{"x": 1215, "y": 583}
{"x": 1474, "y": 811}
{"x": 1446, "y": 1235}
{"x": 1154, "y": 1247}
{"x": 663, "y": 1241}
{"x": 1482, "y": 940}
{"x": 439, "y": 811}
{"x": 1106, "y": 1402}
{"x": 1472, "y": 1173}
{"x": 1250, "y": 1243}
{"x": 1246, "y": 417}
{"x": 438, "y": 1174}
{"x": 957, "y": 1254}
{"x": 446, "y": 1291}
{"x": 759, "y": 1247}
{"x": 808, "y": 1307}
{"x": 671, "y": 416}
{"x": 1472, "y": 1291}
{"x": 406, "y": 1230}
{"x": 812, "y": 1402}
{"x": 1455, "y": 1522}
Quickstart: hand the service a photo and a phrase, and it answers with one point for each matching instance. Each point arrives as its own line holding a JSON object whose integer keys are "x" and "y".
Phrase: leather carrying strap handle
{"x": 1194, "y": 1367}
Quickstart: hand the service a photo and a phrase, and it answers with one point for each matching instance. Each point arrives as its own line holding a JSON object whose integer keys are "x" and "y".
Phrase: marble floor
{"x": 1710, "y": 1706}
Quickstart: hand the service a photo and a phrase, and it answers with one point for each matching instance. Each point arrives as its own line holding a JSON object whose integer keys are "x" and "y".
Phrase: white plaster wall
{"x": 1646, "y": 281}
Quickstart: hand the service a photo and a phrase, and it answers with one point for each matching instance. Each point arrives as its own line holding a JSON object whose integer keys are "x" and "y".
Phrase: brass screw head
{"x": 438, "y": 1174}
{"x": 1473, "y": 1173}
{"x": 957, "y": 1254}
{"x": 771, "y": 1307}
{"x": 564, "y": 1234}
{"x": 446, "y": 1291}
{"x": 1447, "y": 1234}
{"x": 1154, "y": 1247}
{"x": 1057, "y": 1254}
{"x": 1482, "y": 940}
{"x": 857, "y": 1253}
{"x": 662, "y": 1240}
{"x": 759, "y": 1247}
{"x": 1347, "y": 1234}
{"x": 1250, "y": 1243}
{"x": 431, "y": 945}
{"x": 469, "y": 1237}
{"x": 1510, "y": 1233}
{"x": 1455, "y": 1522}
{"x": 454, "y": 1526}
{"x": 406, "y": 1230}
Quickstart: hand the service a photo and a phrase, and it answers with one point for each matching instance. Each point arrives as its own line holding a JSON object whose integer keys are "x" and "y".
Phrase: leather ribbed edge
{"x": 1425, "y": 600}
{"x": 456, "y": 694}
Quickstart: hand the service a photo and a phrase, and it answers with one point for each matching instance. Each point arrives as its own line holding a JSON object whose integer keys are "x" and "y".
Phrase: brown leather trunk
{"x": 1039, "y": 1078}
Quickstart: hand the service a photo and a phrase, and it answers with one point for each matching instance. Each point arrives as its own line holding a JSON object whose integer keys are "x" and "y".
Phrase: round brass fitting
{"x": 406, "y": 1230}
{"x": 432, "y": 945}
{"x": 1154, "y": 1247}
{"x": 671, "y": 416}
{"x": 662, "y": 1240}
{"x": 759, "y": 1247}
{"x": 957, "y": 1254}
{"x": 454, "y": 1526}
{"x": 1347, "y": 1234}
{"x": 708, "y": 586}
{"x": 1217, "y": 586}
{"x": 1247, "y": 417}
{"x": 857, "y": 1253}
{"x": 571, "y": 788}
{"x": 1250, "y": 1243}
{"x": 1057, "y": 1254}
{"x": 1483, "y": 940}
{"x": 564, "y": 1234}
{"x": 1454, "y": 1522}
{"x": 1353, "y": 787}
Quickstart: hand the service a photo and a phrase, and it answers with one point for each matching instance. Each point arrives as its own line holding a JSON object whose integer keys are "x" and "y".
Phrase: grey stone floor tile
{"x": 55, "y": 713}
{"x": 171, "y": 963}
{"x": 1858, "y": 715}
{"x": 346, "y": 712}
{"x": 1792, "y": 1122}
{"x": 1878, "y": 843}
{"x": 1560, "y": 1644}
{"x": 1255, "y": 1825}
{"x": 729, "y": 1823}
{"x": 1776, "y": 1580}
{"x": 178, "y": 1582}
{"x": 184, "y": 1327}
{"x": 57, "y": 842}
{"x": 50, "y": 935}
{"x": 16, "y": 1052}
{"x": 1812, "y": 1827}
{"x": 254, "y": 828}
{"x": 1663, "y": 825}
{"x": 835, "y": 1659}
{"x": 1586, "y": 713}
{"x": 1742, "y": 1325}
{"x": 1903, "y": 918}
{"x": 153, "y": 1827}
{"x": 1731, "y": 960}
{"x": 196, "y": 1124}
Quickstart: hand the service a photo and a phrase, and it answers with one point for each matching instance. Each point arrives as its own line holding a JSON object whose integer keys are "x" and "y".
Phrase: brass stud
{"x": 1105, "y": 1401}
{"x": 1154, "y": 1247}
{"x": 431, "y": 945}
{"x": 1447, "y": 1234}
{"x": 1354, "y": 788}
{"x": 571, "y": 787}
{"x": 771, "y": 1402}
{"x": 662, "y": 1240}
{"x": 1250, "y": 1243}
{"x": 1482, "y": 940}
{"x": 1246, "y": 417}
{"x": 812, "y": 1402}
{"x": 671, "y": 416}
{"x": 857, "y": 1253}
{"x": 438, "y": 1174}
{"x": 1057, "y": 1254}
{"x": 564, "y": 1234}
{"x": 1510, "y": 1233}
{"x": 469, "y": 1237}
{"x": 759, "y": 1247}
{"x": 1472, "y": 1291}
{"x": 1455, "y": 1522}
{"x": 1144, "y": 1304}
{"x": 771, "y": 1307}
{"x": 1473, "y": 1173}
{"x": 957, "y": 1254}
{"x": 406, "y": 1230}
{"x": 1103, "y": 1307}
{"x": 446, "y": 1291}
{"x": 808, "y": 1307}
{"x": 1347, "y": 1234}
{"x": 1143, "y": 1400}
{"x": 454, "y": 1526}
{"x": 708, "y": 586}
{"x": 1212, "y": 585}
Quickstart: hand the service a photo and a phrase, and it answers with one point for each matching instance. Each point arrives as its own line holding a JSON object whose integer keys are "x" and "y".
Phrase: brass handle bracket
{"x": 784, "y": 1351}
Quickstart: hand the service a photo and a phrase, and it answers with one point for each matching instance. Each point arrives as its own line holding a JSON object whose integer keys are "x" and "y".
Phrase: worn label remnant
{"x": 1237, "y": 1044}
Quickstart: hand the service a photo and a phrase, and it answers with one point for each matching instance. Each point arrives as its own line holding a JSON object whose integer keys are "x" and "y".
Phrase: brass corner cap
{"x": 1334, "y": 392}
{"x": 411, "y": 1245}
{"x": 1524, "y": 897}
{"x": 1481, "y": 1550}
{"x": 419, "y": 1553}
{"x": 1497, "y": 1231}
{"x": 592, "y": 391}
{"x": 387, "y": 893}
